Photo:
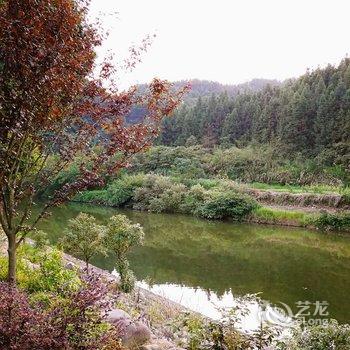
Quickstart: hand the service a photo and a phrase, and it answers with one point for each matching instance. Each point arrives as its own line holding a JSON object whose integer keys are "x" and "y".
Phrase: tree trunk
{"x": 12, "y": 260}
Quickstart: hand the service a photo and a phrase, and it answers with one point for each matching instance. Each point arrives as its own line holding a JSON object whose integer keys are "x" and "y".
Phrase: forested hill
{"x": 309, "y": 115}
{"x": 204, "y": 89}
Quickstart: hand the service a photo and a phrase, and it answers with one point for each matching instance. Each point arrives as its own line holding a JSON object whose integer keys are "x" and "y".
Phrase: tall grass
{"x": 279, "y": 216}
{"x": 317, "y": 188}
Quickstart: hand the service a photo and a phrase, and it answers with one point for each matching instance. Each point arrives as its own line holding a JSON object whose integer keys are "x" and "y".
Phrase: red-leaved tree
{"x": 57, "y": 105}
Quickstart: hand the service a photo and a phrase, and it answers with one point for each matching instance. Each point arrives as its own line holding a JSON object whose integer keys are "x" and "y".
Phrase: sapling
{"x": 121, "y": 235}
{"x": 84, "y": 238}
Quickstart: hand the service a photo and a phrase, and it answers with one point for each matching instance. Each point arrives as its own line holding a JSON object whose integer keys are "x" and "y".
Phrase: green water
{"x": 197, "y": 262}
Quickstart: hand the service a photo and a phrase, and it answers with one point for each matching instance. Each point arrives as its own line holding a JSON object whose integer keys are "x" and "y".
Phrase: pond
{"x": 204, "y": 264}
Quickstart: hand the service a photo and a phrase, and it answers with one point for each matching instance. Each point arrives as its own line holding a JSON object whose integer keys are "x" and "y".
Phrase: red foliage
{"x": 54, "y": 106}
{"x": 68, "y": 326}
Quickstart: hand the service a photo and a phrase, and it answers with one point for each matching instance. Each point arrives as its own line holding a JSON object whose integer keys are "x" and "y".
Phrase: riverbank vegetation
{"x": 69, "y": 133}
{"x": 303, "y": 120}
{"x": 53, "y": 307}
{"x": 256, "y": 163}
{"x": 86, "y": 239}
{"x": 56, "y": 305}
{"x": 215, "y": 199}
{"x": 158, "y": 193}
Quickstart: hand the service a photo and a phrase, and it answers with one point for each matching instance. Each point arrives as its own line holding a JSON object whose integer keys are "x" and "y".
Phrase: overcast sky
{"x": 230, "y": 41}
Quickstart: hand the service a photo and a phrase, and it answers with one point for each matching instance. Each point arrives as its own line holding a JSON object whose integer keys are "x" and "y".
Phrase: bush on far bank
{"x": 209, "y": 199}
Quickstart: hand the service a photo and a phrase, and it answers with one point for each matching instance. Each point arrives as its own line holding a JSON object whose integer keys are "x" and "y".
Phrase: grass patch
{"x": 274, "y": 216}
{"x": 317, "y": 189}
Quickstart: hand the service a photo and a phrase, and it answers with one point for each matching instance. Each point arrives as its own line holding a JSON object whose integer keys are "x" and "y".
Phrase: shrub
{"x": 249, "y": 164}
{"x": 170, "y": 200}
{"x": 328, "y": 336}
{"x": 23, "y": 327}
{"x": 333, "y": 221}
{"x": 205, "y": 183}
{"x": 191, "y": 141}
{"x": 121, "y": 191}
{"x": 51, "y": 274}
{"x": 92, "y": 196}
{"x": 118, "y": 193}
{"x": 152, "y": 188}
{"x": 187, "y": 168}
{"x": 41, "y": 271}
{"x": 160, "y": 159}
{"x": 194, "y": 197}
{"x": 121, "y": 236}
{"x": 84, "y": 237}
{"x": 40, "y": 239}
{"x": 75, "y": 321}
{"x": 345, "y": 200}
{"x": 222, "y": 205}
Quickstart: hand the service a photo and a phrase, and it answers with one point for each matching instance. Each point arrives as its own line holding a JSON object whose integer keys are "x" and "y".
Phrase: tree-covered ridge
{"x": 205, "y": 88}
{"x": 309, "y": 115}
{"x": 201, "y": 89}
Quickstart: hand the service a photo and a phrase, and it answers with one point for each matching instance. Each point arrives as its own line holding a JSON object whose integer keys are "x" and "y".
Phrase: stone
{"x": 116, "y": 315}
{"x": 70, "y": 266}
{"x": 135, "y": 335}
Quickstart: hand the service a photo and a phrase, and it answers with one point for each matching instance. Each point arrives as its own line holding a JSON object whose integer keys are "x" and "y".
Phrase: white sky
{"x": 230, "y": 41}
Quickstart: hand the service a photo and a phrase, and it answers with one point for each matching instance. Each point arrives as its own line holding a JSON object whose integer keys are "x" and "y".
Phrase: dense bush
{"x": 248, "y": 164}
{"x": 120, "y": 192}
{"x": 161, "y": 159}
{"x": 196, "y": 195}
{"x": 74, "y": 321}
{"x": 333, "y": 221}
{"x": 159, "y": 194}
{"x": 262, "y": 163}
{"x": 41, "y": 271}
{"x": 93, "y": 196}
{"x": 322, "y": 337}
{"x": 53, "y": 307}
{"x": 171, "y": 172}
{"x": 22, "y": 326}
{"x": 221, "y": 205}
{"x": 185, "y": 168}
{"x": 210, "y": 199}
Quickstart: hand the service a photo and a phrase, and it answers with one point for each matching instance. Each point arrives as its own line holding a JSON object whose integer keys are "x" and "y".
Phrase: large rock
{"x": 134, "y": 334}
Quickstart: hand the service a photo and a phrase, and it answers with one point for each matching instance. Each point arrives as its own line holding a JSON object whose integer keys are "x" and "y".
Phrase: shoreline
{"x": 157, "y": 312}
{"x": 141, "y": 305}
{"x": 305, "y": 214}
{"x": 137, "y": 290}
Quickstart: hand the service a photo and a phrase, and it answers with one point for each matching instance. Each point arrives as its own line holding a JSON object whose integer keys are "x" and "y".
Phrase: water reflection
{"x": 198, "y": 262}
